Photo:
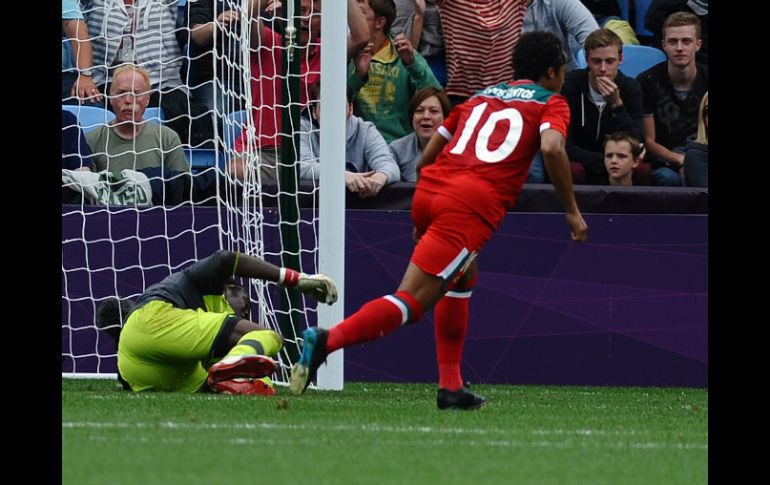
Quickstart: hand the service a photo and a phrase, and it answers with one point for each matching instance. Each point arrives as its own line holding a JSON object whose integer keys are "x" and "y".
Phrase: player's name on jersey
{"x": 509, "y": 92}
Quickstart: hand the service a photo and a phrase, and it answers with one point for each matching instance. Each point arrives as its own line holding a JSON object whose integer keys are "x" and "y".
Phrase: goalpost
{"x": 118, "y": 251}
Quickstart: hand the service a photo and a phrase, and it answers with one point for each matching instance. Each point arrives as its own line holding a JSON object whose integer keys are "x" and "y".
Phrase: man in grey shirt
{"x": 130, "y": 141}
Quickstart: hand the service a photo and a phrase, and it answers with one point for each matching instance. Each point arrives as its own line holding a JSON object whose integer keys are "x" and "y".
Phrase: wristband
{"x": 288, "y": 278}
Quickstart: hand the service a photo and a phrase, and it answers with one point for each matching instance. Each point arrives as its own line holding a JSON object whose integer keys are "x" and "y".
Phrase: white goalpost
{"x": 118, "y": 250}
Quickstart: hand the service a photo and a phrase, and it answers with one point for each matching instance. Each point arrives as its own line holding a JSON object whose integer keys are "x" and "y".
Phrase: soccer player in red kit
{"x": 470, "y": 174}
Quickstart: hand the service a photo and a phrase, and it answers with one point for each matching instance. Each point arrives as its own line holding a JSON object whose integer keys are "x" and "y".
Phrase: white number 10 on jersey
{"x": 483, "y": 153}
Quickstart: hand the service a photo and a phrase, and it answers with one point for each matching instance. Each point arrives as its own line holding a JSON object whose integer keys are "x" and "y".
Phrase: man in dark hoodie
{"x": 602, "y": 100}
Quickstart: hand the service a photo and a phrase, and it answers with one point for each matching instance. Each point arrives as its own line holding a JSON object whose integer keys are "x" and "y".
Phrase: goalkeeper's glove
{"x": 317, "y": 286}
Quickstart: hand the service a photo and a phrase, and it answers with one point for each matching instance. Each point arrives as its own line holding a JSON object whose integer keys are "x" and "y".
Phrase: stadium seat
{"x": 641, "y": 10}
{"x": 636, "y": 59}
{"x": 203, "y": 158}
{"x": 89, "y": 117}
{"x": 233, "y": 126}
{"x": 156, "y": 115}
{"x": 639, "y": 58}
{"x": 624, "y": 10}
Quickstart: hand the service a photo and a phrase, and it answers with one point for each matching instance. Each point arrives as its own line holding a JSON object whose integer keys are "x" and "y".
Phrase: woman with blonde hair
{"x": 696, "y": 154}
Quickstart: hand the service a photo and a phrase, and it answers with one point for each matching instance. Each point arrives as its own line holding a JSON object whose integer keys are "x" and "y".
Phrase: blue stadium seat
{"x": 639, "y": 58}
{"x": 233, "y": 126}
{"x": 636, "y": 59}
{"x": 624, "y": 10}
{"x": 202, "y": 158}
{"x": 641, "y": 10}
{"x": 156, "y": 115}
{"x": 89, "y": 117}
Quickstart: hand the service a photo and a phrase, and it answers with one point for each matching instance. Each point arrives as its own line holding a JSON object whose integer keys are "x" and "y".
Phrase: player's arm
{"x": 209, "y": 275}
{"x": 557, "y": 164}
{"x": 436, "y": 143}
{"x": 317, "y": 286}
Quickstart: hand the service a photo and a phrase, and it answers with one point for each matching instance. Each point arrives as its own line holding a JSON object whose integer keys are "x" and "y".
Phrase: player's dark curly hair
{"x": 535, "y": 53}
{"x": 111, "y": 315}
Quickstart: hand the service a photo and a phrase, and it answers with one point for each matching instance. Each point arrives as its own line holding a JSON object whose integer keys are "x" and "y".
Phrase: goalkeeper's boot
{"x": 251, "y": 387}
{"x": 313, "y": 355}
{"x": 250, "y": 366}
{"x": 459, "y": 399}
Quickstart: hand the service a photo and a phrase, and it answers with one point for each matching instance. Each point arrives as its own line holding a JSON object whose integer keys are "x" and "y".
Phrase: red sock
{"x": 374, "y": 320}
{"x": 451, "y": 321}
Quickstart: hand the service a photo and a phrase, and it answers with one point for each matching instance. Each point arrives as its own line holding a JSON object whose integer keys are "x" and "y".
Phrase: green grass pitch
{"x": 382, "y": 433}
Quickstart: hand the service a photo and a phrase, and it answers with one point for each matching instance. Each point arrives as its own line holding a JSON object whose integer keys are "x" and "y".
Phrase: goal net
{"x": 122, "y": 234}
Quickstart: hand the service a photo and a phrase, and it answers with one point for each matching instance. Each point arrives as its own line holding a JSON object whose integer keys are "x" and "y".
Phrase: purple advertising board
{"x": 627, "y": 308}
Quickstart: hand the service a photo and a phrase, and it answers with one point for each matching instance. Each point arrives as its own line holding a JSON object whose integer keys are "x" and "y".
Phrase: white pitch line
{"x": 373, "y": 428}
{"x": 401, "y": 443}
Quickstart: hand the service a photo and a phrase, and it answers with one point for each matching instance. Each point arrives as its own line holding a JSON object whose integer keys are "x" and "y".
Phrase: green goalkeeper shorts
{"x": 162, "y": 348}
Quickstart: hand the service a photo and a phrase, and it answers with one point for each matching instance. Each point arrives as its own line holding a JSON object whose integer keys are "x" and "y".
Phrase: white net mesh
{"x": 116, "y": 242}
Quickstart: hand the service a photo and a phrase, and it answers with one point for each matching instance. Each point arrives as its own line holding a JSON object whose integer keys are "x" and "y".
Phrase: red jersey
{"x": 492, "y": 139}
{"x": 266, "y": 86}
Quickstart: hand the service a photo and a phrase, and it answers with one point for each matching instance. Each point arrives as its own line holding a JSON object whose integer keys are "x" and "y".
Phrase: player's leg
{"x": 439, "y": 256}
{"x": 372, "y": 321}
{"x": 418, "y": 290}
{"x": 451, "y": 323}
{"x": 247, "y": 366}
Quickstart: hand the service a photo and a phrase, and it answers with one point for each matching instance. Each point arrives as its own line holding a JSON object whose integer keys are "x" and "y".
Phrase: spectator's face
{"x": 130, "y": 97}
{"x": 427, "y": 118}
{"x": 618, "y": 159}
{"x": 681, "y": 45}
{"x": 310, "y": 23}
{"x": 604, "y": 62}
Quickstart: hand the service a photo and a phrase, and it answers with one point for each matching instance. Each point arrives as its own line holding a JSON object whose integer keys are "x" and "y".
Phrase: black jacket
{"x": 588, "y": 126}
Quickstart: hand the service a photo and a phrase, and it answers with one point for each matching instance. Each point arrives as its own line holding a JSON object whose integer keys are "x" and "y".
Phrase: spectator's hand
{"x": 85, "y": 89}
{"x": 227, "y": 19}
{"x": 404, "y": 48}
{"x": 236, "y": 166}
{"x": 609, "y": 90}
{"x": 272, "y": 7}
{"x": 578, "y": 227}
{"x": 377, "y": 181}
{"x": 419, "y": 7}
{"x": 357, "y": 182}
{"x": 363, "y": 61}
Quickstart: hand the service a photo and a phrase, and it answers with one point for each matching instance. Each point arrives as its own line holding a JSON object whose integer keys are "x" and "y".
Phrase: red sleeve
{"x": 556, "y": 115}
{"x": 447, "y": 129}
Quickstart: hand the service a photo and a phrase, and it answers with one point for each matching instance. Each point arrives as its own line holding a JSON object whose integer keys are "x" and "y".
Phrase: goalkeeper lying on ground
{"x": 197, "y": 317}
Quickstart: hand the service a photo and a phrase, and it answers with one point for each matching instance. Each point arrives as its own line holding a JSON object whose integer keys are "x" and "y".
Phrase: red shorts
{"x": 451, "y": 234}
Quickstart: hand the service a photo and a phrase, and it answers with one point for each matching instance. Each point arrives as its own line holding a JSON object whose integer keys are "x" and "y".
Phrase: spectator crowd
{"x": 409, "y": 63}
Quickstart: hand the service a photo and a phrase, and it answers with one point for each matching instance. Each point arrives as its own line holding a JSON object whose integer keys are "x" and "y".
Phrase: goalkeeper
{"x": 197, "y": 319}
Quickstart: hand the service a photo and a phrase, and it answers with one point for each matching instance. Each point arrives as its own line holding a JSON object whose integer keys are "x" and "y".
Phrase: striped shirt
{"x": 154, "y": 26}
{"x": 479, "y": 36}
